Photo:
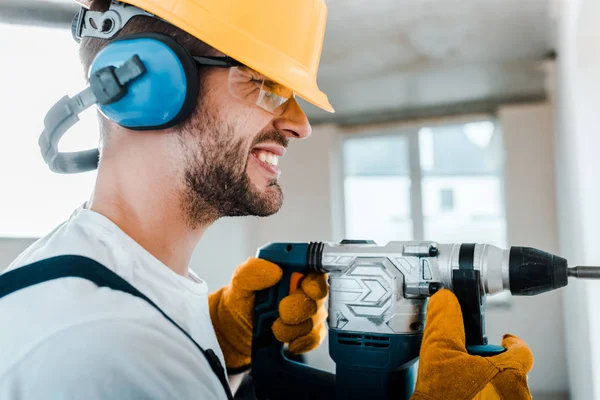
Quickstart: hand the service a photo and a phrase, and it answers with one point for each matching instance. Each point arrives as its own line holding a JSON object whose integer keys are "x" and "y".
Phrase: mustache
{"x": 271, "y": 136}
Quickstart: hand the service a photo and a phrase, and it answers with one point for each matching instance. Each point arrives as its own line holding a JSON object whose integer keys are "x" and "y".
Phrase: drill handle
{"x": 275, "y": 376}
{"x": 291, "y": 258}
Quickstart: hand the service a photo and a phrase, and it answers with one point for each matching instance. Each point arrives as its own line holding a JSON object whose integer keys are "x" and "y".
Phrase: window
{"x": 446, "y": 200}
{"x": 441, "y": 183}
{"x": 40, "y": 67}
{"x": 377, "y": 188}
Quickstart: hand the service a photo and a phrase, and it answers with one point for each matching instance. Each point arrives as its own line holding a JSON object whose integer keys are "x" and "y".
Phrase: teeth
{"x": 268, "y": 157}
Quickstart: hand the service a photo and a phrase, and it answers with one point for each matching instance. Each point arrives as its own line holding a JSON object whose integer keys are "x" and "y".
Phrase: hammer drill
{"x": 377, "y": 307}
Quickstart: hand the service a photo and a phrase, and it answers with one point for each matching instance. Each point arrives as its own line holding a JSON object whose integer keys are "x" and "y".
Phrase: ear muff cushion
{"x": 165, "y": 95}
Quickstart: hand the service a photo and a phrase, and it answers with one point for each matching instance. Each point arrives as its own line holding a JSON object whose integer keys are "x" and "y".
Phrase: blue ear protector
{"x": 142, "y": 82}
{"x": 165, "y": 95}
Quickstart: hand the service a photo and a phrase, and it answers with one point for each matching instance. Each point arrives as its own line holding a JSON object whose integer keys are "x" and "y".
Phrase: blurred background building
{"x": 457, "y": 120}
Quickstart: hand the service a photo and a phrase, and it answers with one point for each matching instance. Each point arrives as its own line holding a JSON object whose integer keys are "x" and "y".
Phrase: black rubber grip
{"x": 533, "y": 271}
{"x": 466, "y": 256}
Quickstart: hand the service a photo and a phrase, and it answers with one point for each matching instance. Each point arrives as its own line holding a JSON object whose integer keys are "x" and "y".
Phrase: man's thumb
{"x": 444, "y": 322}
{"x": 256, "y": 274}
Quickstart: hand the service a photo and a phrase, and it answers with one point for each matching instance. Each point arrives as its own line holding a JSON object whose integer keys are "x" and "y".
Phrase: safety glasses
{"x": 251, "y": 86}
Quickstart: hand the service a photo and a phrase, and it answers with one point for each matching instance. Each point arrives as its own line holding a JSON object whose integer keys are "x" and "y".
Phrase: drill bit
{"x": 584, "y": 272}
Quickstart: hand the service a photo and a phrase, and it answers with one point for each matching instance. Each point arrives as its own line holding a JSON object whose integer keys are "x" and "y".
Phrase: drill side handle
{"x": 273, "y": 374}
{"x": 466, "y": 287}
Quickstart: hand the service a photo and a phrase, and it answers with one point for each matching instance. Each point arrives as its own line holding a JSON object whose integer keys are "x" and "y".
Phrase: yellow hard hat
{"x": 281, "y": 39}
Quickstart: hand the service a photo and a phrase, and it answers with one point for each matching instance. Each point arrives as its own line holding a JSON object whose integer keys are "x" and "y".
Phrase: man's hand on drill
{"x": 448, "y": 372}
{"x": 302, "y": 313}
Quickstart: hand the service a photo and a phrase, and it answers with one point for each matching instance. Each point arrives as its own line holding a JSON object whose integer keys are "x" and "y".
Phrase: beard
{"x": 216, "y": 183}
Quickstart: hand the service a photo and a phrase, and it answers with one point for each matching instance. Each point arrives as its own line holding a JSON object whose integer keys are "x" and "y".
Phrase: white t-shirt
{"x": 70, "y": 339}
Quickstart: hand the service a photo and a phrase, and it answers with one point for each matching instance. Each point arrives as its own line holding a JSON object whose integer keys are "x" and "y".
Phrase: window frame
{"x": 410, "y": 130}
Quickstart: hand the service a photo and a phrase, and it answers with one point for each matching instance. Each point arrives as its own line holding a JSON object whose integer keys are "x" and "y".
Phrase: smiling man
{"x": 197, "y": 101}
{"x": 159, "y": 186}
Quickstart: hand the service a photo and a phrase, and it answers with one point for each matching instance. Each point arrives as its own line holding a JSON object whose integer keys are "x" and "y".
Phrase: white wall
{"x": 578, "y": 189}
{"x": 531, "y": 221}
{"x": 10, "y": 249}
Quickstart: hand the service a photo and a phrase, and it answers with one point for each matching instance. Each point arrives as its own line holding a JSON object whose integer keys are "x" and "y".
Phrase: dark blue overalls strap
{"x": 71, "y": 266}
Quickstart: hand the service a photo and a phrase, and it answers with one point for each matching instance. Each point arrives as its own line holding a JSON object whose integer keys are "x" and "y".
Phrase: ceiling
{"x": 408, "y": 57}
{"x": 392, "y": 59}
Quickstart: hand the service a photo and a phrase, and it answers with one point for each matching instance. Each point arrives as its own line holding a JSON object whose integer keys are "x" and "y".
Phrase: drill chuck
{"x": 534, "y": 271}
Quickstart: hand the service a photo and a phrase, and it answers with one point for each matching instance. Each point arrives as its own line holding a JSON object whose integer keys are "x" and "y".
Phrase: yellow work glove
{"x": 448, "y": 372}
{"x": 302, "y": 313}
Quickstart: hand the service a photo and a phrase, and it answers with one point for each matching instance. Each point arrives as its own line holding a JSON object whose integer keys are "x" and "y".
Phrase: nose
{"x": 293, "y": 121}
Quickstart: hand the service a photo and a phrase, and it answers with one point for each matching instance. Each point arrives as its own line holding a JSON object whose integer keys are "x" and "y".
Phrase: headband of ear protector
{"x": 141, "y": 81}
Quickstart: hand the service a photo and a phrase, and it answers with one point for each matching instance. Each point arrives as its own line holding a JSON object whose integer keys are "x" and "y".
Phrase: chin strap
{"x": 107, "y": 85}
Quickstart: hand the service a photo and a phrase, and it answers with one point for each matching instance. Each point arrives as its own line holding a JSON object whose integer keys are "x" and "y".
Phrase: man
{"x": 157, "y": 191}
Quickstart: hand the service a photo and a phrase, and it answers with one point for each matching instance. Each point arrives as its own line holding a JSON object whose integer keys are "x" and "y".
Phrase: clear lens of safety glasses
{"x": 252, "y": 87}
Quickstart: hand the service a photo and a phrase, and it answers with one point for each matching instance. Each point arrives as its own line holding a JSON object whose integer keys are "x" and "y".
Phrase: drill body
{"x": 377, "y": 307}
